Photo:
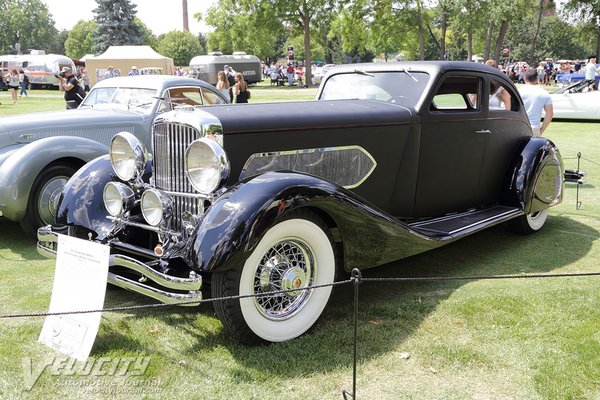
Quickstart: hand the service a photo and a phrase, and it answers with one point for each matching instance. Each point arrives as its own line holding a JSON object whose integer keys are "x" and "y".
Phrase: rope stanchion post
{"x": 356, "y": 280}
{"x": 577, "y": 202}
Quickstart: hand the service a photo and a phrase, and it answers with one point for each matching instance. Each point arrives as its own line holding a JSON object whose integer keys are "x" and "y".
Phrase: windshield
{"x": 396, "y": 87}
{"x": 142, "y": 100}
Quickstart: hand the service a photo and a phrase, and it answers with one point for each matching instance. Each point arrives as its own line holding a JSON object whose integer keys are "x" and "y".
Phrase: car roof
{"x": 156, "y": 82}
{"x": 431, "y": 67}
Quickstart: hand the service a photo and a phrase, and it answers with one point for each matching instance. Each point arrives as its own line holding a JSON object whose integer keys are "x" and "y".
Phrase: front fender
{"x": 19, "y": 170}
{"x": 235, "y": 223}
{"x": 535, "y": 181}
{"x": 81, "y": 204}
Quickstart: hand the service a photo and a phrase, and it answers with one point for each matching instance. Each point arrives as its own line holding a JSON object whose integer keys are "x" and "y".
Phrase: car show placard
{"x": 79, "y": 285}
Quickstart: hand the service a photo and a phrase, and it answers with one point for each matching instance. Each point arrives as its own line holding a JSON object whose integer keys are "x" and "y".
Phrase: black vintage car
{"x": 391, "y": 160}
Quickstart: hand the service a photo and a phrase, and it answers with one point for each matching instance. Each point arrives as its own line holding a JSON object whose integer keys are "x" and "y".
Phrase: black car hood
{"x": 264, "y": 117}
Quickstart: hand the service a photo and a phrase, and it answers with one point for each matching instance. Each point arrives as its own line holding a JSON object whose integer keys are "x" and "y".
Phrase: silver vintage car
{"x": 39, "y": 152}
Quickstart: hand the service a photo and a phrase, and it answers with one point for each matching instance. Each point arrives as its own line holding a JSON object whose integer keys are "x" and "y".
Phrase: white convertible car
{"x": 576, "y": 102}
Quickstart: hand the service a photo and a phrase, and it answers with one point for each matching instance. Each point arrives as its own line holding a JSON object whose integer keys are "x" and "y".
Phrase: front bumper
{"x": 166, "y": 289}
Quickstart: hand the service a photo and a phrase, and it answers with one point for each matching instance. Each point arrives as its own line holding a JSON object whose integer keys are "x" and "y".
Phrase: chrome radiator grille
{"x": 170, "y": 140}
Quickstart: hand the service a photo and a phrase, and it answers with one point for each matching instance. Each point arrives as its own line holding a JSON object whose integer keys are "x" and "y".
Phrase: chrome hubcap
{"x": 288, "y": 265}
{"x": 48, "y": 199}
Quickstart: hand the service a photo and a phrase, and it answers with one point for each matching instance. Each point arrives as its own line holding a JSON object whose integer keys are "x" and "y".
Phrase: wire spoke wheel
{"x": 293, "y": 255}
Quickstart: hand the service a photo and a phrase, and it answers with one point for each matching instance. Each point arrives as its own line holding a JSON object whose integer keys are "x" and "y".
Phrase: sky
{"x": 161, "y": 16}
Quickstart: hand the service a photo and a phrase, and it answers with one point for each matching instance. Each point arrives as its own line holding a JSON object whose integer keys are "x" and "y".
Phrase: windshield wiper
{"x": 409, "y": 74}
{"x": 363, "y": 72}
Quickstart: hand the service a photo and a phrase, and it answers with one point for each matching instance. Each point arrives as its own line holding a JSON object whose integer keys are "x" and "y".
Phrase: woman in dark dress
{"x": 241, "y": 88}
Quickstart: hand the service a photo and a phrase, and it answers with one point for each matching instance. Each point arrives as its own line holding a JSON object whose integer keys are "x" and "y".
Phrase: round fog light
{"x": 117, "y": 197}
{"x": 156, "y": 206}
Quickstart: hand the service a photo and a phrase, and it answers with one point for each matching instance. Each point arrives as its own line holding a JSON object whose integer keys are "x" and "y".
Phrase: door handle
{"x": 483, "y": 131}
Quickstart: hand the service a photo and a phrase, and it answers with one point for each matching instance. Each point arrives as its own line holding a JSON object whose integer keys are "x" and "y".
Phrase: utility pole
{"x": 186, "y": 27}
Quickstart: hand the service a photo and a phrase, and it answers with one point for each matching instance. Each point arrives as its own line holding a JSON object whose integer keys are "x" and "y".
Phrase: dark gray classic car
{"x": 39, "y": 152}
{"x": 391, "y": 160}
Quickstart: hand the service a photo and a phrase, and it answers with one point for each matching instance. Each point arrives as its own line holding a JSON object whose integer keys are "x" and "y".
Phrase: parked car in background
{"x": 576, "y": 101}
{"x": 393, "y": 159}
{"x": 39, "y": 152}
{"x": 320, "y": 72}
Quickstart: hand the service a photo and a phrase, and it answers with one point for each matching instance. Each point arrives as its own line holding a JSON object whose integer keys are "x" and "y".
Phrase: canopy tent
{"x": 122, "y": 58}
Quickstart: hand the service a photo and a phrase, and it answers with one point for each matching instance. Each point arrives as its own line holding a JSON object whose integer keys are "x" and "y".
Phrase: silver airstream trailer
{"x": 40, "y": 67}
{"x": 206, "y": 67}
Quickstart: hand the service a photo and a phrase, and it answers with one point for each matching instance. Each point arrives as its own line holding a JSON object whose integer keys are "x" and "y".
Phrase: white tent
{"x": 122, "y": 58}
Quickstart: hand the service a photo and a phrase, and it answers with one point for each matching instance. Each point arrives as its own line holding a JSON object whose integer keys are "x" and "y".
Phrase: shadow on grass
{"x": 389, "y": 312}
{"x": 13, "y": 238}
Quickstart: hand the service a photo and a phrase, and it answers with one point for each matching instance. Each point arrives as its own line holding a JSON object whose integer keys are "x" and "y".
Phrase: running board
{"x": 462, "y": 224}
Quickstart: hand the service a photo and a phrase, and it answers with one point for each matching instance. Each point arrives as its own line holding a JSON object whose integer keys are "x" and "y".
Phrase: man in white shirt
{"x": 536, "y": 99}
{"x": 590, "y": 72}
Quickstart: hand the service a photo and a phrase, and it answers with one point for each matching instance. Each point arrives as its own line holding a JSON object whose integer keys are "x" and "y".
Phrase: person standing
{"x": 223, "y": 84}
{"x": 290, "y": 74}
{"x": 109, "y": 72}
{"x": 23, "y": 81}
{"x": 230, "y": 75}
{"x": 590, "y": 73}
{"x": 85, "y": 80}
{"x": 241, "y": 89}
{"x": 536, "y": 99}
{"x": 12, "y": 79}
{"x": 134, "y": 71}
{"x": 74, "y": 93}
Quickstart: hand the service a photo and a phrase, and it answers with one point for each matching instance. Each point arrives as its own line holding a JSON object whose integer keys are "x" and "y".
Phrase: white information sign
{"x": 79, "y": 285}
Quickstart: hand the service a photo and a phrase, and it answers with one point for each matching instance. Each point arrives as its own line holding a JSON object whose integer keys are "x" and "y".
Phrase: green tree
{"x": 148, "y": 37}
{"x": 557, "y": 39}
{"x": 116, "y": 25}
{"x": 80, "y": 40}
{"x": 243, "y": 26}
{"x": 180, "y": 46}
{"x": 588, "y": 12}
{"x": 27, "y": 22}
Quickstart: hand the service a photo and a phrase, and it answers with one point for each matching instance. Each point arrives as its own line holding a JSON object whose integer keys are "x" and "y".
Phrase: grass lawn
{"x": 506, "y": 339}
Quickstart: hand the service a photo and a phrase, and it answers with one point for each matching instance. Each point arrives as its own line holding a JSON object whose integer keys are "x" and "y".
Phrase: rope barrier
{"x": 356, "y": 279}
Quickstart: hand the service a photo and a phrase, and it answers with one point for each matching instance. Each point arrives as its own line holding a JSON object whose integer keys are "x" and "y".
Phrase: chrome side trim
{"x": 347, "y": 166}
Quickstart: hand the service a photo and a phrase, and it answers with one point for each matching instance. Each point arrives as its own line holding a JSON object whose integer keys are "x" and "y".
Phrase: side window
{"x": 211, "y": 97}
{"x": 193, "y": 96}
{"x": 502, "y": 97}
{"x": 457, "y": 93}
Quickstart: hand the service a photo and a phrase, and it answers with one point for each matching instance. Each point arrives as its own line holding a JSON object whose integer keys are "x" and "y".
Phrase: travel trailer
{"x": 206, "y": 67}
{"x": 38, "y": 66}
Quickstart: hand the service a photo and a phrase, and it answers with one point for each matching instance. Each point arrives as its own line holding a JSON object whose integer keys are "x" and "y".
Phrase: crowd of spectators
{"x": 549, "y": 72}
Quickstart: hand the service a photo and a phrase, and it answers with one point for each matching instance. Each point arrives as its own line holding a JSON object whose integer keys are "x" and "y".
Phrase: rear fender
{"x": 19, "y": 170}
{"x": 536, "y": 180}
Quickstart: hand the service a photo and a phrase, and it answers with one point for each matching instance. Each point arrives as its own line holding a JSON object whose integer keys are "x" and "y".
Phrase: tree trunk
{"x": 470, "y": 45}
{"x": 500, "y": 41}
{"x": 536, "y": 34}
{"x": 307, "y": 55}
{"x": 421, "y": 31}
{"x": 488, "y": 41}
{"x": 598, "y": 42}
{"x": 444, "y": 27}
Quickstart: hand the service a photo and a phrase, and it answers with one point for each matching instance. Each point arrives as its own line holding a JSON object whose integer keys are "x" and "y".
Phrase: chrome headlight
{"x": 156, "y": 206}
{"x": 128, "y": 156}
{"x": 206, "y": 165}
{"x": 117, "y": 197}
